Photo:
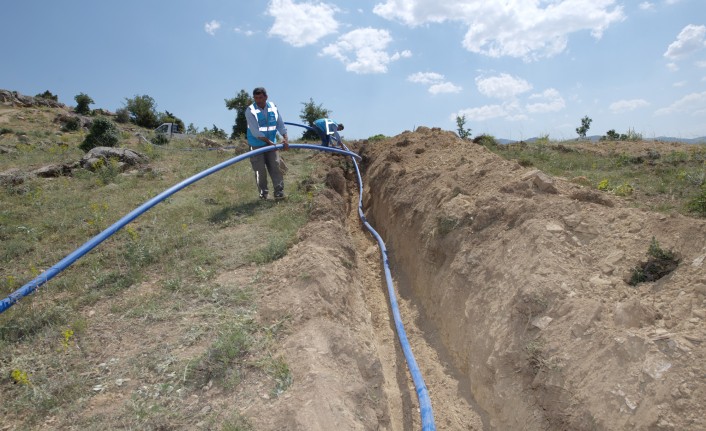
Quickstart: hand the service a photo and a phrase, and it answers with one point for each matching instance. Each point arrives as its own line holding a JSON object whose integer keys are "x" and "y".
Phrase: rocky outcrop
{"x": 14, "y": 98}
{"x": 126, "y": 158}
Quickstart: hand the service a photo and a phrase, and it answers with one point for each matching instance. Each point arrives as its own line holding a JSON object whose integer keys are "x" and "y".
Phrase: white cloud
{"x": 701, "y": 64}
{"x": 444, "y": 87}
{"x": 502, "y": 86}
{"x": 694, "y": 103}
{"x": 689, "y": 40}
{"x": 301, "y": 24}
{"x": 627, "y": 105}
{"x": 672, "y": 67}
{"x": 680, "y": 84}
{"x": 364, "y": 50}
{"x": 483, "y": 113}
{"x": 243, "y": 31}
{"x": 645, "y": 5}
{"x": 548, "y": 101}
{"x": 211, "y": 27}
{"x": 436, "y": 82}
{"x": 517, "y": 28}
{"x": 425, "y": 77}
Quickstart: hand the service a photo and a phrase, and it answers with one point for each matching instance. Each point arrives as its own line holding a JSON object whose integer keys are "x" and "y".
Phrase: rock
{"x": 13, "y": 98}
{"x": 541, "y": 181}
{"x": 12, "y": 177}
{"x": 7, "y": 150}
{"x": 655, "y": 367}
{"x": 128, "y": 157}
{"x": 554, "y": 227}
{"x": 541, "y": 322}
{"x": 634, "y": 314}
{"x": 52, "y": 171}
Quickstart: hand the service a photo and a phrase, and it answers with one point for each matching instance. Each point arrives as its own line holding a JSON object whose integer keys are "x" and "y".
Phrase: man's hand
{"x": 285, "y": 142}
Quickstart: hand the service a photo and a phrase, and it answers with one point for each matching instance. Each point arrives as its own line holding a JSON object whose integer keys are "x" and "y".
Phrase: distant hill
{"x": 596, "y": 138}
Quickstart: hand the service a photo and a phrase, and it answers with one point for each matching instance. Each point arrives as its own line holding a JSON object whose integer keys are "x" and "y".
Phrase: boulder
{"x": 126, "y": 157}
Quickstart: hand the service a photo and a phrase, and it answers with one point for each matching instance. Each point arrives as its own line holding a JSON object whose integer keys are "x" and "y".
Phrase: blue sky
{"x": 515, "y": 68}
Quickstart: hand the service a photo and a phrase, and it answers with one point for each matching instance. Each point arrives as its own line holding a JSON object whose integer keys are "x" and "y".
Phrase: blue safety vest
{"x": 267, "y": 123}
{"x": 329, "y": 127}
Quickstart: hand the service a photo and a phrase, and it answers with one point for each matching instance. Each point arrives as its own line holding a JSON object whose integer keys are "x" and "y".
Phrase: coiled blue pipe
{"x": 425, "y": 409}
{"x": 93, "y": 242}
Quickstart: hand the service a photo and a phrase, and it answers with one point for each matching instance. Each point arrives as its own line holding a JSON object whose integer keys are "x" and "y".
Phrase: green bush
{"x": 103, "y": 133}
{"x": 378, "y": 137}
{"x": 485, "y": 140}
{"x": 122, "y": 116}
{"x": 160, "y": 139}
{"x": 82, "y": 102}
{"x": 71, "y": 125}
{"x": 48, "y": 95}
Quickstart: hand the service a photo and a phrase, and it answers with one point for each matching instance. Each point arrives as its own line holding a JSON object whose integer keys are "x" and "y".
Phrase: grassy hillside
{"x": 160, "y": 269}
{"x": 655, "y": 176}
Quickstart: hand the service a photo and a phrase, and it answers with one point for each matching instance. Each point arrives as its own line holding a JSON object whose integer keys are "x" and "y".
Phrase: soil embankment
{"x": 523, "y": 276}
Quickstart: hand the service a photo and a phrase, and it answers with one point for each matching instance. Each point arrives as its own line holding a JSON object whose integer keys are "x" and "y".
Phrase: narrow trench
{"x": 451, "y": 398}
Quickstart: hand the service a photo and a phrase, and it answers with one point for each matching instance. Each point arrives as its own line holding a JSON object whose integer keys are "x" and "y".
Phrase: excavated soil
{"x": 514, "y": 290}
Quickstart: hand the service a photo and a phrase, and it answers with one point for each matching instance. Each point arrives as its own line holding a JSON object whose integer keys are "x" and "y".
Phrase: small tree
{"x": 310, "y": 113}
{"x": 48, "y": 95}
{"x": 585, "y": 125}
{"x": 82, "y": 102}
{"x": 239, "y": 104}
{"x": 463, "y": 133}
{"x": 103, "y": 133}
{"x": 143, "y": 111}
{"x": 192, "y": 130}
{"x": 215, "y": 132}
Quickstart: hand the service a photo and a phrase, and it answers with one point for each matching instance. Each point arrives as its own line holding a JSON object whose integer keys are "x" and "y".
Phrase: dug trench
{"x": 514, "y": 294}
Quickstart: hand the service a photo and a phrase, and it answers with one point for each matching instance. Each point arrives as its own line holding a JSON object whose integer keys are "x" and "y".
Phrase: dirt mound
{"x": 524, "y": 277}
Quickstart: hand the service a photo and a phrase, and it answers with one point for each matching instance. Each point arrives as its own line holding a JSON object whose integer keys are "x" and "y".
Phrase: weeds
{"x": 660, "y": 262}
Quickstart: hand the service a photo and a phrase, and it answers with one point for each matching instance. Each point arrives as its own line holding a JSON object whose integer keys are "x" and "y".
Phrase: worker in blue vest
{"x": 264, "y": 121}
{"x": 326, "y": 128}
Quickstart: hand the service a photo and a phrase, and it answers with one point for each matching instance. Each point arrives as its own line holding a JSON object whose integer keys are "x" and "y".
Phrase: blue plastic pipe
{"x": 93, "y": 242}
{"x": 425, "y": 409}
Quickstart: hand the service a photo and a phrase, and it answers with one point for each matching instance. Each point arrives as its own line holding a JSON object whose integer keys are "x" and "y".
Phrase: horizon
{"x": 381, "y": 67}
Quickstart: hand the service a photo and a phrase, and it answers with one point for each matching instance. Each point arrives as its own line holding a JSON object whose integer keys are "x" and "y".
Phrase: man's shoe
{"x": 263, "y": 196}
{"x": 279, "y": 195}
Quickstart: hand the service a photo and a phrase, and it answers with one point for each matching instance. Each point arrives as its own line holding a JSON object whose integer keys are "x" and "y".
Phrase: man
{"x": 326, "y": 128}
{"x": 264, "y": 121}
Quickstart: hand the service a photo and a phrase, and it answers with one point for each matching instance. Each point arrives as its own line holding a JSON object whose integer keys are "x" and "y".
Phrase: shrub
{"x": 103, "y": 133}
{"x": 71, "y": 125}
{"x": 378, "y": 137}
{"x": 48, "y": 95}
{"x": 160, "y": 139}
{"x": 82, "y": 102}
{"x": 485, "y": 140}
{"x": 122, "y": 115}
{"x": 660, "y": 262}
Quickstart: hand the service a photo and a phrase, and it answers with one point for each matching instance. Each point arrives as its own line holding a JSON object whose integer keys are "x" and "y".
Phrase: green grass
{"x": 654, "y": 181}
{"x": 160, "y": 269}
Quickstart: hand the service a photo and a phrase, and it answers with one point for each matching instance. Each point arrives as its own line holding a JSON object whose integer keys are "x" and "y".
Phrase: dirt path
{"x": 453, "y": 406}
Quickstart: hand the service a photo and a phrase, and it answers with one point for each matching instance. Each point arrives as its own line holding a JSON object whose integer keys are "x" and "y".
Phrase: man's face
{"x": 260, "y": 100}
